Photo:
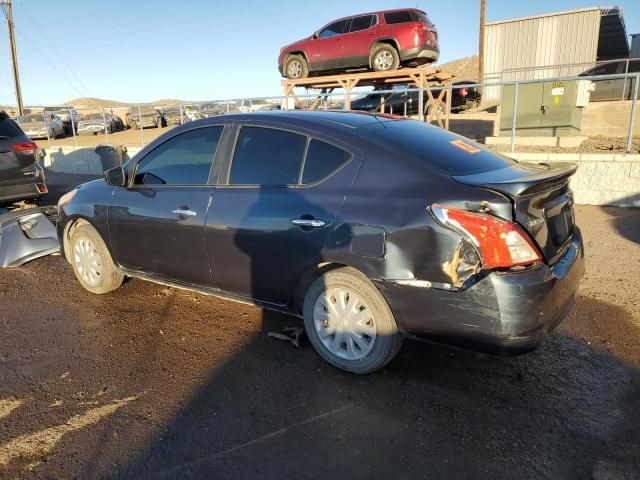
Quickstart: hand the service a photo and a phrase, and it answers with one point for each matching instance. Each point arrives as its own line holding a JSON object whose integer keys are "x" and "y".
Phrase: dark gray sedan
{"x": 369, "y": 227}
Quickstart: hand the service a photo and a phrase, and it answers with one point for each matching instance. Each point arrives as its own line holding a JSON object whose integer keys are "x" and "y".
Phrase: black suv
{"x": 21, "y": 176}
{"x": 369, "y": 227}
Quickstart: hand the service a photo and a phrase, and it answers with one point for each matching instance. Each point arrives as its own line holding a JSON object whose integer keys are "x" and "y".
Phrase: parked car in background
{"x": 613, "y": 89}
{"x": 42, "y": 125}
{"x": 257, "y": 105}
{"x": 381, "y": 41}
{"x": 303, "y": 214}
{"x": 68, "y": 115}
{"x": 191, "y": 112}
{"x": 117, "y": 121}
{"x": 144, "y": 116}
{"x": 406, "y": 102}
{"x": 172, "y": 116}
{"x": 94, "y": 123}
{"x": 212, "y": 109}
{"x": 21, "y": 176}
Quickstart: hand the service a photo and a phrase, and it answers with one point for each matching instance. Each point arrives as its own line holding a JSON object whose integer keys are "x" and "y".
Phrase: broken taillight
{"x": 463, "y": 92}
{"x": 501, "y": 244}
{"x": 27, "y": 148}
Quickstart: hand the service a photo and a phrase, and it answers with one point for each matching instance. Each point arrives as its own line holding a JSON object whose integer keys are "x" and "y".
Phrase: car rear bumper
{"x": 423, "y": 54}
{"x": 504, "y": 313}
{"x": 22, "y": 189}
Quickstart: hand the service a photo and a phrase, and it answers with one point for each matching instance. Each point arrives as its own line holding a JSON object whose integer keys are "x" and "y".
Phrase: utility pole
{"x": 481, "y": 46}
{"x": 14, "y": 57}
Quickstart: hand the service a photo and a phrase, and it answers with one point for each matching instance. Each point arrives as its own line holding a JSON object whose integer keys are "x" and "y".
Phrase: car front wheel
{"x": 92, "y": 262}
{"x": 349, "y": 323}
{"x": 385, "y": 58}
{"x": 296, "y": 67}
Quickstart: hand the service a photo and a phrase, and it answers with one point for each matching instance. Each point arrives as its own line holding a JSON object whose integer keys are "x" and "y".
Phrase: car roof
{"x": 310, "y": 118}
{"x": 378, "y": 12}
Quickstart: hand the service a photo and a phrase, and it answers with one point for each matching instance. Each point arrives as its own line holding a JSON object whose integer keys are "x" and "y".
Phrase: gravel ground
{"x": 154, "y": 382}
{"x": 598, "y": 144}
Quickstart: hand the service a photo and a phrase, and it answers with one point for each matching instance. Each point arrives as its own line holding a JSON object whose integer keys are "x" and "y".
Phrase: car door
{"x": 271, "y": 218}
{"x": 358, "y": 39}
{"x": 325, "y": 48}
{"x": 156, "y": 223}
{"x": 607, "y": 89}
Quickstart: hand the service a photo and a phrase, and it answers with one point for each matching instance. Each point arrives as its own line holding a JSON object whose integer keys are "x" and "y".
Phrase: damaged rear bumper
{"x": 26, "y": 235}
{"x": 504, "y": 313}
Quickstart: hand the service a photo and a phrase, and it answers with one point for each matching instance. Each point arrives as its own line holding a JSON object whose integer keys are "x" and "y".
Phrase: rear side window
{"x": 8, "y": 128}
{"x": 420, "y": 17}
{"x": 361, "y": 23}
{"x": 398, "y": 17}
{"x": 607, "y": 69}
{"x": 336, "y": 28}
{"x": 267, "y": 156}
{"x": 183, "y": 160}
{"x": 436, "y": 148}
{"x": 322, "y": 160}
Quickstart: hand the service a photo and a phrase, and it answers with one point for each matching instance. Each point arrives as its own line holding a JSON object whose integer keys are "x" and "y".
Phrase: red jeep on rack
{"x": 381, "y": 41}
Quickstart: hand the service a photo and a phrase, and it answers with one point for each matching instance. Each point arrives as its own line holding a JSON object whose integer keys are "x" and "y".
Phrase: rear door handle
{"x": 306, "y": 222}
{"x": 184, "y": 212}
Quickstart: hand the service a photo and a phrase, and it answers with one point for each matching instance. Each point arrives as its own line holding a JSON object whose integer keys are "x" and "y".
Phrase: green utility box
{"x": 545, "y": 109}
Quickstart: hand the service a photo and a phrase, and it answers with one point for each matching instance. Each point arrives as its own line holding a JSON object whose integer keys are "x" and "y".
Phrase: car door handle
{"x": 308, "y": 222}
{"x": 184, "y": 212}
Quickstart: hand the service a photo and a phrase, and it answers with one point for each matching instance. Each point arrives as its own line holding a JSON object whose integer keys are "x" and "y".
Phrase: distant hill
{"x": 94, "y": 102}
{"x": 463, "y": 68}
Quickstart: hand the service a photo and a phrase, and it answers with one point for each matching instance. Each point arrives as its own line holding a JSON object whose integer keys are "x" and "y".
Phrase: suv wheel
{"x": 296, "y": 67}
{"x": 91, "y": 261}
{"x": 385, "y": 58}
{"x": 349, "y": 323}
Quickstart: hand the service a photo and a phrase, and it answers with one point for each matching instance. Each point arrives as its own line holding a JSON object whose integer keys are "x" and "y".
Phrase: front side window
{"x": 361, "y": 23}
{"x": 398, "y": 17}
{"x": 183, "y": 160}
{"x": 267, "y": 156}
{"x": 336, "y": 28}
{"x": 607, "y": 69}
{"x": 322, "y": 160}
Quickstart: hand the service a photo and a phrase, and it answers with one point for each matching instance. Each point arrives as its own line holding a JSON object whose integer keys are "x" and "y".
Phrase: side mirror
{"x": 116, "y": 177}
{"x": 315, "y": 35}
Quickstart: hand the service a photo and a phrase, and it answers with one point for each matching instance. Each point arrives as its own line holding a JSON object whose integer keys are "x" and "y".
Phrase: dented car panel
{"x": 26, "y": 235}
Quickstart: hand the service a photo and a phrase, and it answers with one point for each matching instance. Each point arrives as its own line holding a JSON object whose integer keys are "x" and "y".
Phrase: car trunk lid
{"x": 542, "y": 201}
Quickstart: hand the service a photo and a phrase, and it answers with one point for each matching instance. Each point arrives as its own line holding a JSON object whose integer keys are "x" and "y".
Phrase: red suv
{"x": 382, "y": 41}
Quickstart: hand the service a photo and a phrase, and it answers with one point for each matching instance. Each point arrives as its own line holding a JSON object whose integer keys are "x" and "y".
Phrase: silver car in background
{"x": 42, "y": 125}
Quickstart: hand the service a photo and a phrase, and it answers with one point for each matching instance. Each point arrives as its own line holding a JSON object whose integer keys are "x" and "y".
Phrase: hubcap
{"x": 295, "y": 69}
{"x": 87, "y": 261}
{"x": 344, "y": 323}
{"x": 383, "y": 60}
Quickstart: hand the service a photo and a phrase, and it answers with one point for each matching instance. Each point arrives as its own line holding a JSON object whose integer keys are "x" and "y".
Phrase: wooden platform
{"x": 425, "y": 77}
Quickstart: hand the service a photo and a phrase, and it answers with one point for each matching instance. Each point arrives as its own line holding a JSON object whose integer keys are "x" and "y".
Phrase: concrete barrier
{"x": 80, "y": 160}
{"x": 601, "y": 179}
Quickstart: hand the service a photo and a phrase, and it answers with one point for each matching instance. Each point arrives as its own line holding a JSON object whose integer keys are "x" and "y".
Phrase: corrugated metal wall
{"x": 559, "y": 39}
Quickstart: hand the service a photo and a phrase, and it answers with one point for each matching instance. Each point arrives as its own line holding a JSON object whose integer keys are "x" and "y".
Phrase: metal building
{"x": 552, "y": 45}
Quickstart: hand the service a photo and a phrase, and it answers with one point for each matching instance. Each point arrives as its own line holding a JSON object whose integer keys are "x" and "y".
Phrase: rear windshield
{"x": 445, "y": 151}
{"x": 420, "y": 17}
{"x": 8, "y": 128}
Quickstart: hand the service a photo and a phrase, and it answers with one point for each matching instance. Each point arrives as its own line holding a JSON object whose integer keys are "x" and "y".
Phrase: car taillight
{"x": 28, "y": 148}
{"x": 501, "y": 244}
{"x": 463, "y": 92}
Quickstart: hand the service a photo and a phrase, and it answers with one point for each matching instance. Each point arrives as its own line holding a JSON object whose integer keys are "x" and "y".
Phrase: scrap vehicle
{"x": 42, "y": 125}
{"x": 212, "y": 109}
{"x": 94, "y": 123}
{"x": 172, "y": 116}
{"x": 613, "y": 89}
{"x": 381, "y": 41}
{"x": 301, "y": 213}
{"x": 257, "y": 105}
{"x": 406, "y": 100}
{"x": 145, "y": 117}
{"x": 68, "y": 115}
{"x": 117, "y": 122}
{"x": 26, "y": 231}
{"x": 191, "y": 112}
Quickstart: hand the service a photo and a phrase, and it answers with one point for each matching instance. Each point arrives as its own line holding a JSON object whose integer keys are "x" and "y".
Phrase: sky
{"x": 142, "y": 51}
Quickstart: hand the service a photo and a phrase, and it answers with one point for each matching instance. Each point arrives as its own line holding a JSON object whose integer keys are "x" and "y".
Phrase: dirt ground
{"x": 598, "y": 144}
{"x": 153, "y": 382}
{"x": 128, "y": 138}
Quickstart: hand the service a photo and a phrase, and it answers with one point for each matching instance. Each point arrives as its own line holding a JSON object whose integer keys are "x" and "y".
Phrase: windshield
{"x": 443, "y": 150}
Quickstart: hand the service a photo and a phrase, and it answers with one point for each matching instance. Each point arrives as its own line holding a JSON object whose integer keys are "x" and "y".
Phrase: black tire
{"x": 388, "y": 339}
{"x": 109, "y": 277}
{"x": 296, "y": 67}
{"x": 385, "y": 58}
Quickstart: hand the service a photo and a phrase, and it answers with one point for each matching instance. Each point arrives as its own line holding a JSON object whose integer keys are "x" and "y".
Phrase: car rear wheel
{"x": 349, "y": 323}
{"x": 92, "y": 262}
{"x": 296, "y": 67}
{"x": 385, "y": 58}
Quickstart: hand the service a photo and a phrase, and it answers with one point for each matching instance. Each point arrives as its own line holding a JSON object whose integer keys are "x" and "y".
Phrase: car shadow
{"x": 626, "y": 220}
{"x": 567, "y": 410}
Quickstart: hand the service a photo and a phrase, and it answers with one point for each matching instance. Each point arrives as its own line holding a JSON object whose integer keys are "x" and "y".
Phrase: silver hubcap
{"x": 383, "y": 60}
{"x": 344, "y": 323}
{"x": 295, "y": 69}
{"x": 87, "y": 261}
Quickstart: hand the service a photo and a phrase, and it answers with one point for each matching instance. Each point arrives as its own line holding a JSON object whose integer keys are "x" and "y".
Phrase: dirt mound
{"x": 464, "y": 68}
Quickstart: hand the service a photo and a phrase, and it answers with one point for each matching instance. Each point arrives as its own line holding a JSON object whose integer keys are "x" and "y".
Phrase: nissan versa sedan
{"x": 370, "y": 228}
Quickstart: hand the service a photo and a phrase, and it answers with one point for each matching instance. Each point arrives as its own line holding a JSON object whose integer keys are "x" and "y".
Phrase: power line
{"x": 55, "y": 49}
